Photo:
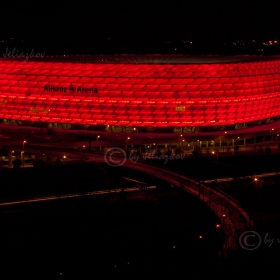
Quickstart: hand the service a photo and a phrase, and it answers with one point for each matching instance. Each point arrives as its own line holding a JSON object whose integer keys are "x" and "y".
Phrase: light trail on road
{"x": 75, "y": 195}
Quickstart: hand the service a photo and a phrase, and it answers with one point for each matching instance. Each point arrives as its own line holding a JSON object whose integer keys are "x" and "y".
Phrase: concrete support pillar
{"x": 10, "y": 159}
{"x": 244, "y": 141}
{"x": 22, "y": 158}
{"x": 220, "y": 143}
{"x": 207, "y": 144}
{"x": 233, "y": 142}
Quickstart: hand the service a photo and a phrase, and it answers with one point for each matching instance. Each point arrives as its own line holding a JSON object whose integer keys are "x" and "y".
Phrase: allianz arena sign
{"x": 70, "y": 89}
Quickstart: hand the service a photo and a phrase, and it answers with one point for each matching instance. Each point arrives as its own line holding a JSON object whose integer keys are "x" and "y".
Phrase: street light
{"x": 83, "y": 159}
{"x": 258, "y": 182}
{"x": 22, "y": 154}
{"x": 24, "y": 142}
{"x": 97, "y": 138}
{"x": 109, "y": 127}
{"x": 136, "y": 130}
{"x": 224, "y": 140}
{"x": 213, "y": 153}
{"x": 180, "y": 140}
{"x": 271, "y": 136}
{"x": 127, "y": 138}
{"x": 236, "y": 148}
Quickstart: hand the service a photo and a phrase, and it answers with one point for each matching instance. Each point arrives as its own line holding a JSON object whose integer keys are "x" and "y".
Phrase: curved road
{"x": 233, "y": 218}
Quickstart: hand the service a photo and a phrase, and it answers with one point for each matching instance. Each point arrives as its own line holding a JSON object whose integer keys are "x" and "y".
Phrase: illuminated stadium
{"x": 150, "y": 93}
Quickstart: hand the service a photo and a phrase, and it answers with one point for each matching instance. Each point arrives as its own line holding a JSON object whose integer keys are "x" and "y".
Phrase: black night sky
{"x": 138, "y": 26}
{"x": 157, "y": 233}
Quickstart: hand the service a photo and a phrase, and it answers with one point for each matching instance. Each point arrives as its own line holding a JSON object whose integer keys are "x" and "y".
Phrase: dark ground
{"x": 125, "y": 235}
{"x": 91, "y": 235}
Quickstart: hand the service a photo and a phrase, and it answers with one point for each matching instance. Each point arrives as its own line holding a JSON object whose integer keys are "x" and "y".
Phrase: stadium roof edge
{"x": 147, "y": 59}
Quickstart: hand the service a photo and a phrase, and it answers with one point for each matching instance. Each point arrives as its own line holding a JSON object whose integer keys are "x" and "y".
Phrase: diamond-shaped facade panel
{"x": 161, "y": 93}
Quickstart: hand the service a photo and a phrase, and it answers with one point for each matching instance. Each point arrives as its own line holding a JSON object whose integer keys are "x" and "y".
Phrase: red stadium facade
{"x": 141, "y": 91}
